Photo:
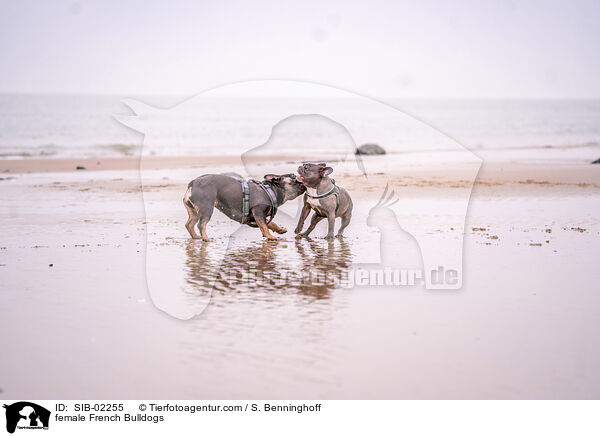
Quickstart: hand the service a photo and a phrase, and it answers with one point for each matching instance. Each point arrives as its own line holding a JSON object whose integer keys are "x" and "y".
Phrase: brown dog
{"x": 324, "y": 197}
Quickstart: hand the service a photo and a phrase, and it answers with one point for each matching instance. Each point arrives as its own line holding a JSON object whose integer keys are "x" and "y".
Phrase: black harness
{"x": 335, "y": 191}
{"x": 246, "y": 218}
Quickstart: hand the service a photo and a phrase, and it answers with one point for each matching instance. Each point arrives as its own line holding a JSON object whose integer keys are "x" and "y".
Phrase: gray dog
{"x": 248, "y": 202}
{"x": 324, "y": 197}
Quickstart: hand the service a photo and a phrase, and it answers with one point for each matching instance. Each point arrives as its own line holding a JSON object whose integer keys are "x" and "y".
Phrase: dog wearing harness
{"x": 325, "y": 198}
{"x": 249, "y": 202}
{"x": 248, "y": 218}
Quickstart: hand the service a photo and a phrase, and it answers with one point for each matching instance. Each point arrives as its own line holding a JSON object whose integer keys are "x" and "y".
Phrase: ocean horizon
{"x": 64, "y": 126}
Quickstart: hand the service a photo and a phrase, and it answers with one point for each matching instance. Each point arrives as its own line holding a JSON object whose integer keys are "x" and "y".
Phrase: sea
{"x": 63, "y": 126}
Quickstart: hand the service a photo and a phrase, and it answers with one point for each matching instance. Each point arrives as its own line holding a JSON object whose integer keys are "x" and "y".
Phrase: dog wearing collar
{"x": 324, "y": 197}
{"x": 254, "y": 203}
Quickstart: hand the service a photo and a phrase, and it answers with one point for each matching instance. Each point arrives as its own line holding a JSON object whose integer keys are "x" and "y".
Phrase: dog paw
{"x": 297, "y": 230}
{"x": 281, "y": 230}
{"x": 329, "y": 237}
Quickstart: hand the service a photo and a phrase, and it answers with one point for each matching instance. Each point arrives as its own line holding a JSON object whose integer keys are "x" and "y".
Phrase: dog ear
{"x": 272, "y": 178}
{"x": 325, "y": 171}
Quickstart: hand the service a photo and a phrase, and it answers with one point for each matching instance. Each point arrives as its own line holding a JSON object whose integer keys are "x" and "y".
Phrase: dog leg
{"x": 313, "y": 222}
{"x": 345, "y": 221}
{"x": 202, "y": 226}
{"x": 303, "y": 216}
{"x": 330, "y": 226}
{"x": 204, "y": 215}
{"x": 277, "y": 228}
{"x": 190, "y": 225}
{"x": 265, "y": 231}
{"x": 192, "y": 221}
{"x": 262, "y": 225}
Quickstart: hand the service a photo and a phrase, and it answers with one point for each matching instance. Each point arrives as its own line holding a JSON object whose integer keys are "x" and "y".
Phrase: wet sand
{"x": 74, "y": 294}
{"x": 27, "y": 166}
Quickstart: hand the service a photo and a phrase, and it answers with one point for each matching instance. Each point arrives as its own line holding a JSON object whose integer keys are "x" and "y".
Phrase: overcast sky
{"x": 434, "y": 49}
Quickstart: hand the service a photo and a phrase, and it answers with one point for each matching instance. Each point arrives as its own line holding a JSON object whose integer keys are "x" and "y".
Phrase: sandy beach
{"x": 74, "y": 291}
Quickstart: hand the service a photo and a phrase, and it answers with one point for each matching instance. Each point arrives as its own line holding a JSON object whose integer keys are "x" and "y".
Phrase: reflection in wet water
{"x": 269, "y": 326}
{"x": 201, "y": 270}
{"x": 310, "y": 268}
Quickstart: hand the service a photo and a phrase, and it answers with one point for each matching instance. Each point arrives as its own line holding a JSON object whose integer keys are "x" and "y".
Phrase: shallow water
{"x": 522, "y": 326}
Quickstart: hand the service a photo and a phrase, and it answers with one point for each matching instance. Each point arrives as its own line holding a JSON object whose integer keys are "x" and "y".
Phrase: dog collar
{"x": 326, "y": 194}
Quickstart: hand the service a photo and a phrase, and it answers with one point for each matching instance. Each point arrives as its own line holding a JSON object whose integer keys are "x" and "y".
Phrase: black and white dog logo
{"x": 26, "y": 415}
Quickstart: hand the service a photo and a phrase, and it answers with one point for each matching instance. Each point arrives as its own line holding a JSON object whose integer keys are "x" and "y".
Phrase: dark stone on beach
{"x": 79, "y": 167}
{"x": 370, "y": 149}
{"x": 597, "y": 161}
{"x": 50, "y": 264}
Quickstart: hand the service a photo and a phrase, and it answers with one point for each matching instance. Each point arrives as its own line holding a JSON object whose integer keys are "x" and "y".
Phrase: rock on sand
{"x": 370, "y": 149}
